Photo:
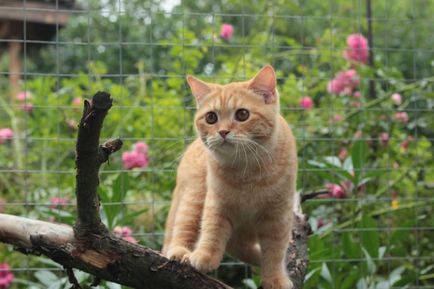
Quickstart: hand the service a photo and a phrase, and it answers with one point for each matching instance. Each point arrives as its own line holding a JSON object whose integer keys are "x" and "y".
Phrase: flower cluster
{"x": 138, "y": 158}
{"x": 5, "y": 134}
{"x": 226, "y": 31}
{"x": 396, "y": 98}
{"x": 344, "y": 83}
{"x": 76, "y": 101}
{"x": 125, "y": 233}
{"x": 401, "y": 117}
{"x": 6, "y": 276}
{"x": 357, "y": 48}
{"x": 306, "y": 102}
{"x": 336, "y": 191}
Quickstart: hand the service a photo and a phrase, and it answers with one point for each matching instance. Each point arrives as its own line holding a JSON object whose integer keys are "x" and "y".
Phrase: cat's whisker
{"x": 236, "y": 153}
{"x": 171, "y": 148}
{"x": 247, "y": 140}
{"x": 261, "y": 147}
{"x": 245, "y": 160}
{"x": 211, "y": 143}
{"x": 256, "y": 156}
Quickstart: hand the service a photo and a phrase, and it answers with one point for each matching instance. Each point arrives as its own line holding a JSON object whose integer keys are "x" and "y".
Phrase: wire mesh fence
{"x": 364, "y": 127}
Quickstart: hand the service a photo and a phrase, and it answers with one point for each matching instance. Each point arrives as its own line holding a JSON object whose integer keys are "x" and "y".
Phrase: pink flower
{"x": 134, "y": 159}
{"x": 306, "y": 102}
{"x": 344, "y": 82}
{"x": 23, "y": 95}
{"x": 396, "y": 98}
{"x": 27, "y": 107}
{"x": 125, "y": 233}
{"x": 357, "y": 94}
{"x": 226, "y": 31}
{"x": 5, "y": 134}
{"x": 77, "y": 101}
{"x": 336, "y": 191}
{"x": 141, "y": 147}
{"x": 138, "y": 158}
{"x": 401, "y": 117}
{"x": 56, "y": 202}
{"x": 357, "y": 48}
{"x": 6, "y": 276}
{"x": 384, "y": 138}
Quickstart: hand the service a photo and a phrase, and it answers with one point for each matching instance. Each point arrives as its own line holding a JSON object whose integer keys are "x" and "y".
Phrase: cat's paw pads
{"x": 178, "y": 253}
{"x": 203, "y": 261}
{"x": 277, "y": 282}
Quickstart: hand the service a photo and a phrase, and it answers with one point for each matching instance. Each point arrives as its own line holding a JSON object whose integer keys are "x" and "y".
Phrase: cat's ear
{"x": 264, "y": 83}
{"x": 198, "y": 87}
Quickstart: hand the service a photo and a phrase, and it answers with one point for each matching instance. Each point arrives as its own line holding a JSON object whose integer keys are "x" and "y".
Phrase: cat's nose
{"x": 224, "y": 133}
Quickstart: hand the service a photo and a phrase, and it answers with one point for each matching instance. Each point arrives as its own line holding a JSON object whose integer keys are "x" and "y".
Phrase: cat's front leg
{"x": 274, "y": 236}
{"x": 185, "y": 231}
{"x": 216, "y": 229}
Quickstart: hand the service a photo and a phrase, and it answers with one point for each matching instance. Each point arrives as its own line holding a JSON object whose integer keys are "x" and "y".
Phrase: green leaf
{"x": 310, "y": 274}
{"x": 120, "y": 187}
{"x": 334, "y": 161}
{"x": 325, "y": 273}
{"x": 351, "y": 278}
{"x": 396, "y": 275}
{"x": 331, "y": 172}
{"x": 359, "y": 154}
{"x": 351, "y": 249}
{"x": 369, "y": 234}
{"x": 369, "y": 262}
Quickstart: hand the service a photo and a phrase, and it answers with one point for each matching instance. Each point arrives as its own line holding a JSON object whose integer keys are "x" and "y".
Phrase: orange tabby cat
{"x": 236, "y": 182}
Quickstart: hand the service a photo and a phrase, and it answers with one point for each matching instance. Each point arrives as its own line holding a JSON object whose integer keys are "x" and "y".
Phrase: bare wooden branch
{"x": 89, "y": 157}
{"x": 108, "y": 257}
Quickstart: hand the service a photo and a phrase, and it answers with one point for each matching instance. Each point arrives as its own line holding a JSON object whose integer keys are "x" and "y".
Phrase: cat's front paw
{"x": 280, "y": 281}
{"x": 204, "y": 261}
{"x": 178, "y": 253}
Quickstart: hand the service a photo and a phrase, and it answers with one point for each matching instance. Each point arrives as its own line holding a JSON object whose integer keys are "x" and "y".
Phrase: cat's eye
{"x": 242, "y": 114}
{"x": 211, "y": 117}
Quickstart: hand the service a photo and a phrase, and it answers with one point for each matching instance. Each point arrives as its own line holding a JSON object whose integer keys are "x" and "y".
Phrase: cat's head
{"x": 238, "y": 113}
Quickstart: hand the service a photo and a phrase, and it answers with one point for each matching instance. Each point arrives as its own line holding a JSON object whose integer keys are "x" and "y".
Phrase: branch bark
{"x": 88, "y": 162}
{"x": 91, "y": 248}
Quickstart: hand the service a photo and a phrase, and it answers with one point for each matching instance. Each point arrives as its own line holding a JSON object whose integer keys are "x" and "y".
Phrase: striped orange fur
{"x": 236, "y": 182}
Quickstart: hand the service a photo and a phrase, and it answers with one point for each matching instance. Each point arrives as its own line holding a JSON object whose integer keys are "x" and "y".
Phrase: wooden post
{"x": 14, "y": 49}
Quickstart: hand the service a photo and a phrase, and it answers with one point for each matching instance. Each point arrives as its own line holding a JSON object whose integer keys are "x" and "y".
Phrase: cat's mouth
{"x": 219, "y": 144}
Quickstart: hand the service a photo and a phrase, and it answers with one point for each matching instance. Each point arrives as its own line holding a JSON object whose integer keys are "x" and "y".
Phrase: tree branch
{"x": 88, "y": 161}
{"x": 314, "y": 194}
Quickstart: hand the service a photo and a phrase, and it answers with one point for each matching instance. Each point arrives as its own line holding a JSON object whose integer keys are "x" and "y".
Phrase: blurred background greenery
{"x": 373, "y": 151}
